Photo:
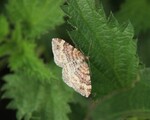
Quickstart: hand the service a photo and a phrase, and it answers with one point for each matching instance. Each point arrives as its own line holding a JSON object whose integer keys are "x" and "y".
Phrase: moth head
{"x": 57, "y": 44}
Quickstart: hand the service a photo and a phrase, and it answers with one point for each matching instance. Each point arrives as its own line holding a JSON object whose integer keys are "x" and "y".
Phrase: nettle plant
{"x": 120, "y": 88}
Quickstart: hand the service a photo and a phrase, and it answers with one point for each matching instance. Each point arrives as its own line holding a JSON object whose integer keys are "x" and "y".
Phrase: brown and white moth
{"x": 75, "y": 70}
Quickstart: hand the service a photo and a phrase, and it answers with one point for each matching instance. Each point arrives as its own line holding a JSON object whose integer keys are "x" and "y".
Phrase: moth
{"x": 75, "y": 70}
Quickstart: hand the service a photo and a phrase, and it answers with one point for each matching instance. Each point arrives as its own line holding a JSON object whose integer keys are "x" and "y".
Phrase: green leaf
{"x": 36, "y": 91}
{"x": 133, "y": 103}
{"x": 36, "y": 16}
{"x": 4, "y": 27}
{"x": 110, "y": 46}
{"x": 35, "y": 99}
{"x": 22, "y": 56}
{"x": 137, "y": 11}
{"x": 26, "y": 92}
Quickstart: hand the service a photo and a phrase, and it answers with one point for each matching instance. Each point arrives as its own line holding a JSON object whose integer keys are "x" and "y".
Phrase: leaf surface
{"x": 110, "y": 46}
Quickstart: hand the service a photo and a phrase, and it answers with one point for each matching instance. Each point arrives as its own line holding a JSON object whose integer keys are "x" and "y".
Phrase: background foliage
{"x": 31, "y": 84}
